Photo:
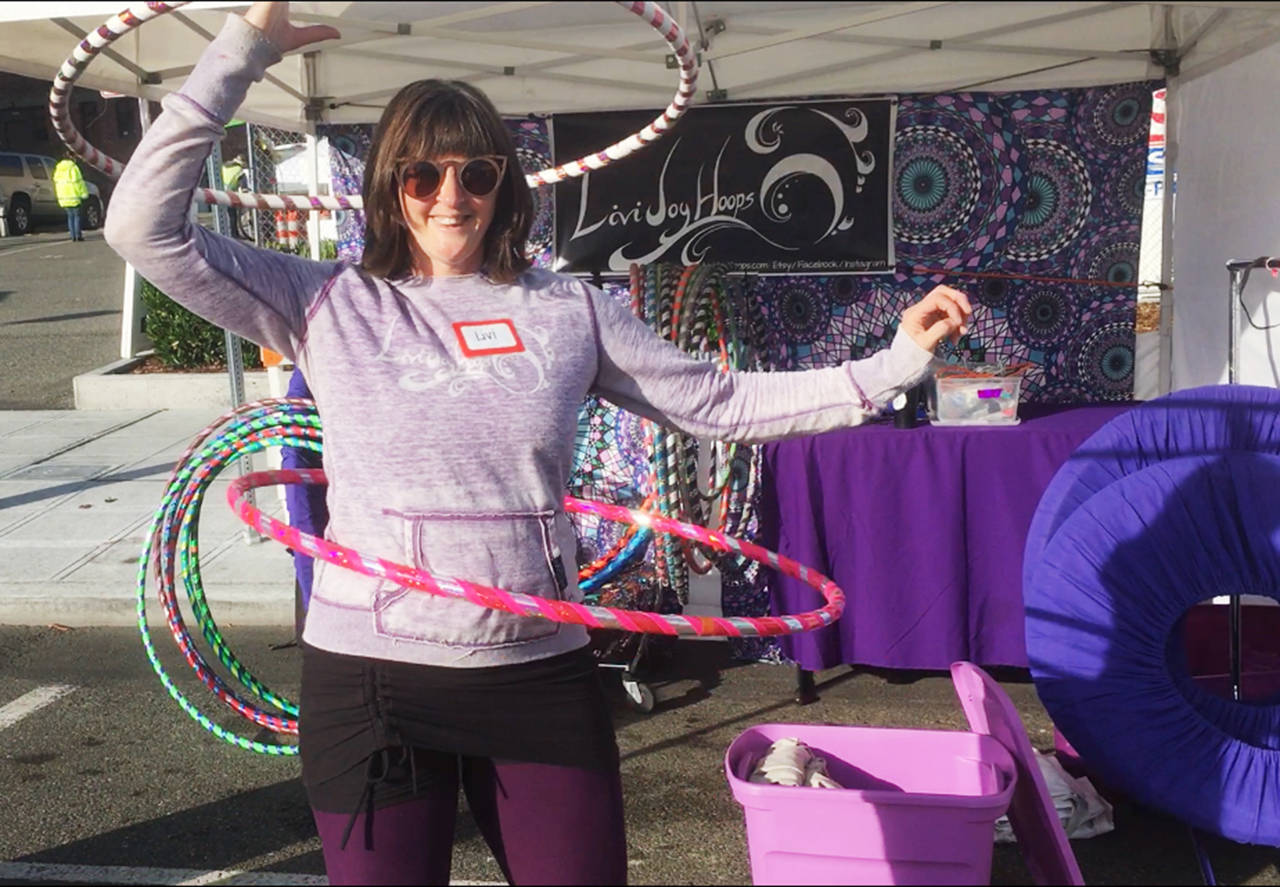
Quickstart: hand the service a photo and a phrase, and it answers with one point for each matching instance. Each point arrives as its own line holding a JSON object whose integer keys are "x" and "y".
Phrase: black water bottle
{"x": 906, "y": 406}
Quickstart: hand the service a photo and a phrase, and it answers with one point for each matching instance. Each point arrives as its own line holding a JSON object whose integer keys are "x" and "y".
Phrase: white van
{"x": 26, "y": 194}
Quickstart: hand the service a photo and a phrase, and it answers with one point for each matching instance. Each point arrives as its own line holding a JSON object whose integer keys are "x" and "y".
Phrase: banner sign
{"x": 771, "y": 188}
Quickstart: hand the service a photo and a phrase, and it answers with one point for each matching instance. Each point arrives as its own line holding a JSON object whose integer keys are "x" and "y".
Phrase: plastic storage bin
{"x": 917, "y": 807}
{"x": 975, "y": 394}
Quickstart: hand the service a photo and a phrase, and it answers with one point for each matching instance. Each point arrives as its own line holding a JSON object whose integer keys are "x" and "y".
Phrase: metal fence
{"x": 265, "y": 151}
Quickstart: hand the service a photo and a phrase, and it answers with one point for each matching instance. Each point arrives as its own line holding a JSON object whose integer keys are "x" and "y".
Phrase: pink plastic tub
{"x": 917, "y": 807}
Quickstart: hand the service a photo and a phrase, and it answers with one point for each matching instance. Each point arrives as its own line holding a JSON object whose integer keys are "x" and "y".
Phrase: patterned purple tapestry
{"x": 1032, "y": 184}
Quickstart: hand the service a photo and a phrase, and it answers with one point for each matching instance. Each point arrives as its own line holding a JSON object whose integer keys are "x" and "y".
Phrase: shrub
{"x": 183, "y": 340}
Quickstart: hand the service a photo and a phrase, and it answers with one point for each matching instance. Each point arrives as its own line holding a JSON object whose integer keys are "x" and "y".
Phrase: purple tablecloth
{"x": 922, "y": 528}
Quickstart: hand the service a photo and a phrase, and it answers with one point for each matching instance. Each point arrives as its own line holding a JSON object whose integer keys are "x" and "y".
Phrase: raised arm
{"x": 651, "y": 377}
{"x": 259, "y": 294}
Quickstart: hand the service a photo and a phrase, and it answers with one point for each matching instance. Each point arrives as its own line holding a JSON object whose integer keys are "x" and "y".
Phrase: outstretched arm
{"x": 651, "y": 377}
{"x": 259, "y": 294}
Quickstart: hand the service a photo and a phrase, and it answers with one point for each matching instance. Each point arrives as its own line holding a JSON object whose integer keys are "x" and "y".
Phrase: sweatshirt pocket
{"x": 513, "y": 551}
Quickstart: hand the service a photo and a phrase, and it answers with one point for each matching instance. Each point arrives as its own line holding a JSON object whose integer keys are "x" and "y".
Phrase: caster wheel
{"x": 639, "y": 696}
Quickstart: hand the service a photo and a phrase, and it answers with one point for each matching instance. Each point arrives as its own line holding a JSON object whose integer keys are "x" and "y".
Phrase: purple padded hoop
{"x": 1104, "y": 604}
{"x": 1211, "y": 419}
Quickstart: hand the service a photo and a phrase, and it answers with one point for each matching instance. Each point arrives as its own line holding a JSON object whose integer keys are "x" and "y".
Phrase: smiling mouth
{"x": 451, "y": 221}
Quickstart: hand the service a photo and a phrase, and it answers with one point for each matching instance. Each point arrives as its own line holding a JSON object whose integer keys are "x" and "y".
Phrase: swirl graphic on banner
{"x": 779, "y": 180}
{"x": 792, "y": 188}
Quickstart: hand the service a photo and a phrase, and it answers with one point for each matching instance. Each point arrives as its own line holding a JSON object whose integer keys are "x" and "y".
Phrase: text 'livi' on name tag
{"x": 480, "y": 338}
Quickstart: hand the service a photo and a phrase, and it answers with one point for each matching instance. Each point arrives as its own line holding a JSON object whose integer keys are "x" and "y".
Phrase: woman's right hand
{"x": 944, "y": 313}
{"x": 272, "y": 19}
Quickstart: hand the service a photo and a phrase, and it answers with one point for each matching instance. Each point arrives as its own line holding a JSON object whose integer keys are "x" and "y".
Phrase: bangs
{"x": 448, "y": 125}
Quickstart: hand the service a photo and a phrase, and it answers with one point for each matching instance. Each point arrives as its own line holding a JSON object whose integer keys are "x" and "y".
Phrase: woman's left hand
{"x": 272, "y": 19}
{"x": 944, "y": 313}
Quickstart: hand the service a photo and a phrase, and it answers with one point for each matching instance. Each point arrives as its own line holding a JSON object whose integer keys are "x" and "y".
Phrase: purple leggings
{"x": 546, "y": 824}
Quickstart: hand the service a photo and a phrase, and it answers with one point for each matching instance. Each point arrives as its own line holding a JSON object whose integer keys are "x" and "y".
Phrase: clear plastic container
{"x": 975, "y": 394}
{"x": 916, "y": 807}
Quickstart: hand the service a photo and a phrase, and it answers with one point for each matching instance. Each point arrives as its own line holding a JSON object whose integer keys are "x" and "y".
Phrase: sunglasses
{"x": 479, "y": 176}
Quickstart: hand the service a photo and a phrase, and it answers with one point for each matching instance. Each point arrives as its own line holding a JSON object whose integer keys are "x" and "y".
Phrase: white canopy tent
{"x": 581, "y": 56}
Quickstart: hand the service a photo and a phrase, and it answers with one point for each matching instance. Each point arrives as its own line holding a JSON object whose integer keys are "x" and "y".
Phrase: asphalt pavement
{"x": 107, "y": 780}
{"x": 60, "y": 309}
{"x": 115, "y": 778}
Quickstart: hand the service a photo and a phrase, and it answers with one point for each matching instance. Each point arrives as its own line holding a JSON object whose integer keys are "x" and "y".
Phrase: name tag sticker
{"x": 480, "y": 338}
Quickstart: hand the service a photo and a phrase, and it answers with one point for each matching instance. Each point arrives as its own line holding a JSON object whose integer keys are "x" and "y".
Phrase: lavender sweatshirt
{"x": 449, "y": 404}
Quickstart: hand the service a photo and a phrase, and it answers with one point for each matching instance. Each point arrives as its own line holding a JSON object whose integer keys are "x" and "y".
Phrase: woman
{"x": 449, "y": 375}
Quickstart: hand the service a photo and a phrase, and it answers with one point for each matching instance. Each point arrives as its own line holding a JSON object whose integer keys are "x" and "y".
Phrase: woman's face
{"x": 447, "y": 226}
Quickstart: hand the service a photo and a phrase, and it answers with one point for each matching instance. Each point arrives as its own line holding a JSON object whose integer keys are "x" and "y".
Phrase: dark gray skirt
{"x": 376, "y": 731}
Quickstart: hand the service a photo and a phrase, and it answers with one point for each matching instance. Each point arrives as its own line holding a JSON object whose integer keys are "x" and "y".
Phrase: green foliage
{"x": 183, "y": 340}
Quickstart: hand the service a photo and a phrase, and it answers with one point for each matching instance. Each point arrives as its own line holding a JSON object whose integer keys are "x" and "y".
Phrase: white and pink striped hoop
{"x": 140, "y": 13}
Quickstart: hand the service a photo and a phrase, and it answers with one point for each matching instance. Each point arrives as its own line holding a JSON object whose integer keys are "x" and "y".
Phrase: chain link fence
{"x": 274, "y": 162}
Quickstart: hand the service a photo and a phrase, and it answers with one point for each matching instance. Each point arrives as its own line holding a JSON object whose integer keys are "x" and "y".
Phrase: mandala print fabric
{"x": 533, "y": 147}
{"x": 1043, "y": 184}
{"x": 348, "y": 148}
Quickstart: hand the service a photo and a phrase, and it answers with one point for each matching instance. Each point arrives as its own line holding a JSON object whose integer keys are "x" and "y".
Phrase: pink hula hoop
{"x": 639, "y": 621}
{"x": 140, "y": 13}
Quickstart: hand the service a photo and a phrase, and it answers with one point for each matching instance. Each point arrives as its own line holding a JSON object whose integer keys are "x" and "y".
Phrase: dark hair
{"x": 434, "y": 118}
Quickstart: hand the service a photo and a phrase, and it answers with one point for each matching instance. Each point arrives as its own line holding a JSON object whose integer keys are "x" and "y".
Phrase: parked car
{"x": 26, "y": 194}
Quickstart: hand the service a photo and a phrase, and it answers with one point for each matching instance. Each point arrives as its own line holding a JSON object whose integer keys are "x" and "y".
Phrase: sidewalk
{"x": 78, "y": 490}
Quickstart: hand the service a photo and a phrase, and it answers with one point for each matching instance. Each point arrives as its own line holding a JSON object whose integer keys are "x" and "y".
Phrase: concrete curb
{"x": 115, "y": 387}
{"x": 104, "y": 610}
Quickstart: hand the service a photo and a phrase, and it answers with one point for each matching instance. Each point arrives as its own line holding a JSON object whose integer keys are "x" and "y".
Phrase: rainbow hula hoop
{"x": 141, "y": 13}
{"x": 172, "y": 548}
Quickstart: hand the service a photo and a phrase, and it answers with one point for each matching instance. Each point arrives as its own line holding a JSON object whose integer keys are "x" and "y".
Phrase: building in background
{"x": 113, "y": 125}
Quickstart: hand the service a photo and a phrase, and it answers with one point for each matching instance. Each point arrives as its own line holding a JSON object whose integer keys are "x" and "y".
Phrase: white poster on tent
{"x": 1147, "y": 383}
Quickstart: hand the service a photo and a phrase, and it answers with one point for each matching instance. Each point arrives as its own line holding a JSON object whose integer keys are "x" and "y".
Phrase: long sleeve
{"x": 649, "y": 376}
{"x": 259, "y": 294}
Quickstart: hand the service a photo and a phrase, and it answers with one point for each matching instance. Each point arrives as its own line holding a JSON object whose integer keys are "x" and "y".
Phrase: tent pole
{"x": 132, "y": 338}
{"x": 313, "y": 188}
{"x": 313, "y": 112}
{"x": 1167, "y": 295}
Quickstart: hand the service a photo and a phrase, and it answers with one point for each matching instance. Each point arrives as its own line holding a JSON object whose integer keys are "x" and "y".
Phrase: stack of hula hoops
{"x": 171, "y": 554}
{"x": 701, "y": 312}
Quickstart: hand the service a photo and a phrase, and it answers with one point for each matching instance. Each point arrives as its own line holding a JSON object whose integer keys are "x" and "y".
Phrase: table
{"x": 923, "y": 528}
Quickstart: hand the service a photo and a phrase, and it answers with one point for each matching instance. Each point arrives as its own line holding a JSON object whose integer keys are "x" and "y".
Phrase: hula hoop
{"x": 172, "y": 549}
{"x": 140, "y": 13}
{"x": 638, "y": 621}
{"x": 171, "y": 542}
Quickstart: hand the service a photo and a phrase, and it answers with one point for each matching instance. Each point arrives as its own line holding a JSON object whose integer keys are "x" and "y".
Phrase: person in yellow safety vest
{"x": 71, "y": 190}
{"x": 232, "y": 172}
